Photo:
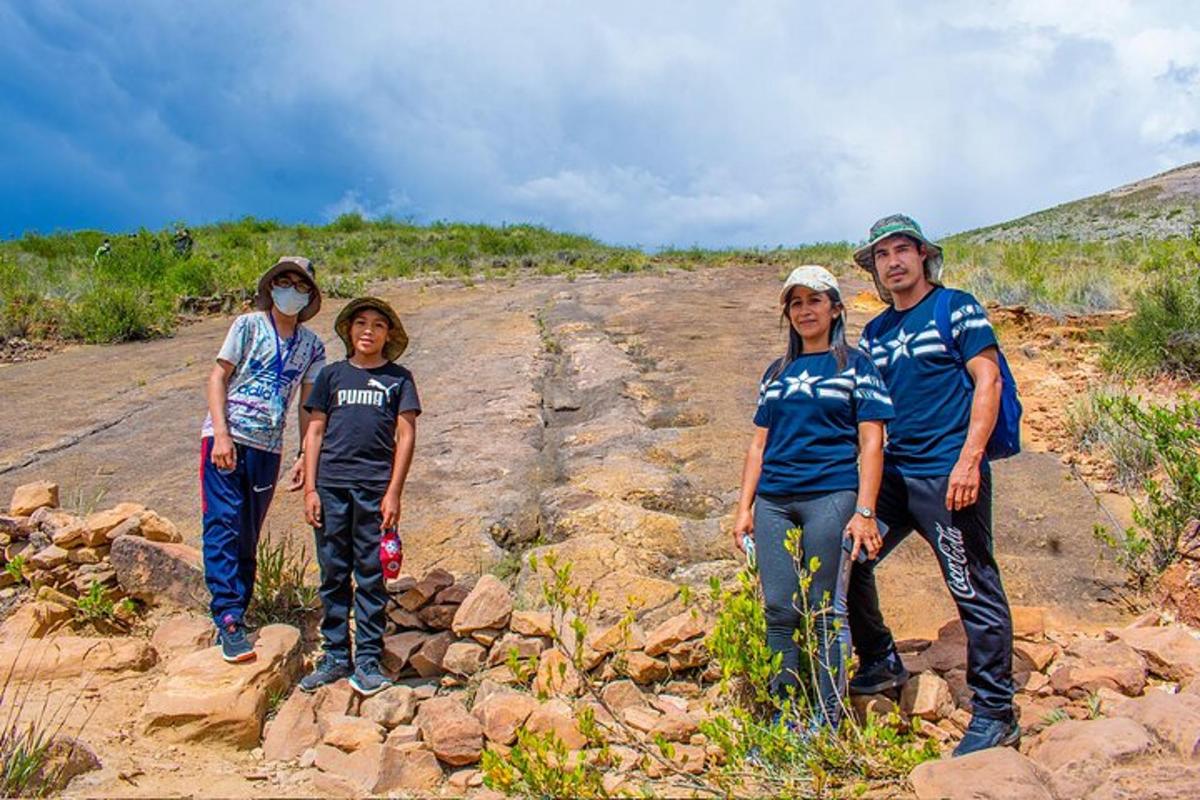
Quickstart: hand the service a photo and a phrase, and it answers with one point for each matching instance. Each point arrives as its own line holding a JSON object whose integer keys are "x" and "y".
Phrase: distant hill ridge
{"x": 1165, "y": 205}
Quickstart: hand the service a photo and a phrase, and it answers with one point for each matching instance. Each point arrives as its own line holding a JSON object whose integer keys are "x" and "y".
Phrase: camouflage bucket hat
{"x": 893, "y": 225}
{"x": 397, "y": 341}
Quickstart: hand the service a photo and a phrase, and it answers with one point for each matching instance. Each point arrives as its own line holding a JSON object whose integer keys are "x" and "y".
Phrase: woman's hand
{"x": 390, "y": 509}
{"x": 312, "y": 508}
{"x": 224, "y": 454}
{"x": 743, "y": 526}
{"x": 865, "y": 533}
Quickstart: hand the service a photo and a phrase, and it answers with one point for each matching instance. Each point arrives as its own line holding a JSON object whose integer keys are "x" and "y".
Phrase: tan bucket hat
{"x": 397, "y": 341}
{"x": 299, "y": 265}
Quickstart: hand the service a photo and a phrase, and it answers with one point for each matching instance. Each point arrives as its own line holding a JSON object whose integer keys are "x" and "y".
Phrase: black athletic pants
{"x": 348, "y": 545}
{"x": 962, "y": 542}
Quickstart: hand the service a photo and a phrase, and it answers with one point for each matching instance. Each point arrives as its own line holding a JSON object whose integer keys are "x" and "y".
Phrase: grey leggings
{"x": 822, "y": 517}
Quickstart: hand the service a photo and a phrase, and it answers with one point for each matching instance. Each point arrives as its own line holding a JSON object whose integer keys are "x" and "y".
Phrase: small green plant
{"x": 282, "y": 592}
{"x": 1054, "y": 717}
{"x": 507, "y": 567}
{"x": 16, "y": 568}
{"x": 1169, "y": 515}
{"x": 94, "y": 604}
{"x": 1093, "y": 430}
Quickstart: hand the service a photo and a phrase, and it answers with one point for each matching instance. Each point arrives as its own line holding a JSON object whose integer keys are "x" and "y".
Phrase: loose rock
{"x": 454, "y": 736}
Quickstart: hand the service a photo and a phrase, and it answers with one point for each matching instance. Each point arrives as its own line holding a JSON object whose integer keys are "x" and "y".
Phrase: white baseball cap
{"x": 809, "y": 276}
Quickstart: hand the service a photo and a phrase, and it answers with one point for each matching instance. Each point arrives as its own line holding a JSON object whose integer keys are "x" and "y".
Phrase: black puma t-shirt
{"x": 361, "y": 406}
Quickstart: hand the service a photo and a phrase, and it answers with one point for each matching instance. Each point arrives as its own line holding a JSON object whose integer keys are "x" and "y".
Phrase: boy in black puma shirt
{"x": 358, "y": 450}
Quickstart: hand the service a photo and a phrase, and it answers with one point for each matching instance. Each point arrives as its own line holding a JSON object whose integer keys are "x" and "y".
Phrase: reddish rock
{"x": 641, "y": 718}
{"x": 130, "y": 527}
{"x": 69, "y": 535}
{"x": 622, "y": 694}
{"x": 99, "y": 524}
{"x": 487, "y": 636}
{"x": 348, "y": 733}
{"x": 399, "y": 648}
{"x": 1174, "y": 719}
{"x": 927, "y": 696}
{"x": 1029, "y": 623}
{"x": 428, "y": 660}
{"x": 556, "y": 717}
{"x": 680, "y": 628}
{"x": 395, "y": 705}
{"x": 49, "y": 557}
{"x": 643, "y": 669}
{"x": 503, "y": 713}
{"x": 452, "y": 595}
{"x": 1033, "y": 656}
{"x": 618, "y": 638}
{"x": 157, "y": 572}
{"x": 687, "y": 655}
{"x": 532, "y": 623}
{"x": 426, "y": 589}
{"x": 453, "y": 735}
{"x": 1078, "y": 753}
{"x": 1172, "y": 652}
{"x": 1000, "y": 773}
{"x": 1178, "y": 591}
{"x": 201, "y": 698}
{"x": 34, "y": 621}
{"x": 489, "y": 605}
{"x": 64, "y": 657}
{"x": 675, "y": 727}
{"x": 686, "y": 757}
{"x": 379, "y": 769}
{"x": 157, "y": 528}
{"x": 404, "y": 734}
{"x": 29, "y": 497}
{"x": 438, "y": 616}
{"x": 464, "y": 658}
{"x": 556, "y": 675}
{"x": 294, "y": 728}
{"x": 1091, "y": 665}
{"x": 525, "y": 647}
{"x": 177, "y": 636}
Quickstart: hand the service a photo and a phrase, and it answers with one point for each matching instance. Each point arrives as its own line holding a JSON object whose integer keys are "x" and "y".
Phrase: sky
{"x": 641, "y": 123}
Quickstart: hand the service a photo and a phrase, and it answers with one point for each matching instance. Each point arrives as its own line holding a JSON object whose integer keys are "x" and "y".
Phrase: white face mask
{"x": 289, "y": 301}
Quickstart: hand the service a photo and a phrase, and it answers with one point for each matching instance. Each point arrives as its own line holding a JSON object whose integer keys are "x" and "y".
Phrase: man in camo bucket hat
{"x": 899, "y": 225}
{"x": 946, "y": 389}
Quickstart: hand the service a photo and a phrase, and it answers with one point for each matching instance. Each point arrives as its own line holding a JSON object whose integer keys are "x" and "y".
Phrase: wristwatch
{"x": 864, "y": 511}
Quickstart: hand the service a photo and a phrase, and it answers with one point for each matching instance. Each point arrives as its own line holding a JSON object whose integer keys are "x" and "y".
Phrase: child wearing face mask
{"x": 266, "y": 355}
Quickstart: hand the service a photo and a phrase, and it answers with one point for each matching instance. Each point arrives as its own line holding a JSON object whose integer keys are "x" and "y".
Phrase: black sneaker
{"x": 328, "y": 670}
{"x": 235, "y": 647}
{"x": 985, "y": 732}
{"x": 368, "y": 679}
{"x": 879, "y": 675}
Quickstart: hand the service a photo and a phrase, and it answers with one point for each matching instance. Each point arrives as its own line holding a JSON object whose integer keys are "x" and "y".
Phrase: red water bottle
{"x": 391, "y": 553}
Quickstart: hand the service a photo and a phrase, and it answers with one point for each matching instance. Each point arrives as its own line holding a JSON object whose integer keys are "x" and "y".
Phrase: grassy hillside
{"x": 1163, "y": 206}
{"x": 61, "y": 287}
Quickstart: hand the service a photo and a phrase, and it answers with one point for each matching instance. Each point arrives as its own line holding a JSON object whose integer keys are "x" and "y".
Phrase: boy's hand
{"x": 390, "y": 508}
{"x": 312, "y": 508}
{"x": 296, "y": 475}
{"x": 224, "y": 454}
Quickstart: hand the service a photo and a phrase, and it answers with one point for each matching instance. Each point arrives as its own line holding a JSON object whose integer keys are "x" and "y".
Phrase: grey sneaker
{"x": 879, "y": 675}
{"x": 328, "y": 670}
{"x": 231, "y": 635}
{"x": 368, "y": 679}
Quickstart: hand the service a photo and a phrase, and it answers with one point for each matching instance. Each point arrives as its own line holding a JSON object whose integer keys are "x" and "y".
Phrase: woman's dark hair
{"x": 795, "y": 347}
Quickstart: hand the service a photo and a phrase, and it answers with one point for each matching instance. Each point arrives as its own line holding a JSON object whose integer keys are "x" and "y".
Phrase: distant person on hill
{"x": 103, "y": 250}
{"x": 182, "y": 242}
{"x": 266, "y": 355}
{"x": 814, "y": 464}
{"x": 358, "y": 449}
{"x": 946, "y": 385}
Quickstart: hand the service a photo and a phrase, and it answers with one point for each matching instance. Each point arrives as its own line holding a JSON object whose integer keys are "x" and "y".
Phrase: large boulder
{"x": 157, "y": 572}
{"x": 489, "y": 605}
{"x": 1000, "y": 773}
{"x": 1091, "y": 665}
{"x": 377, "y": 770}
{"x": 62, "y": 657}
{"x": 181, "y": 635}
{"x": 1078, "y": 753}
{"x": 34, "y": 621}
{"x": 201, "y": 698}
{"x": 502, "y": 713}
{"x": 453, "y": 735}
{"x": 29, "y": 497}
{"x": 1174, "y": 719}
{"x": 1172, "y": 652}
{"x": 301, "y": 721}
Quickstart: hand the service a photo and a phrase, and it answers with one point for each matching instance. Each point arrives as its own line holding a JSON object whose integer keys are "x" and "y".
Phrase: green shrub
{"x": 1093, "y": 430}
{"x": 1170, "y": 512}
{"x": 115, "y": 313}
{"x": 1163, "y": 335}
{"x": 282, "y": 592}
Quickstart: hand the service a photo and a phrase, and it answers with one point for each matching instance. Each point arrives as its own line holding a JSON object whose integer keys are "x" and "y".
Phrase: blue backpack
{"x": 1006, "y": 438}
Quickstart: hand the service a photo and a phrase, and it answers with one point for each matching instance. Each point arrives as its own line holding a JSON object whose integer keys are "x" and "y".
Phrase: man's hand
{"x": 296, "y": 475}
{"x": 743, "y": 526}
{"x": 390, "y": 508}
{"x": 865, "y": 533}
{"x": 312, "y": 508}
{"x": 964, "y": 485}
{"x": 224, "y": 454}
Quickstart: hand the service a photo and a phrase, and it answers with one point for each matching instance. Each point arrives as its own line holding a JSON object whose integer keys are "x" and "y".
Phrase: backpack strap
{"x": 941, "y": 318}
